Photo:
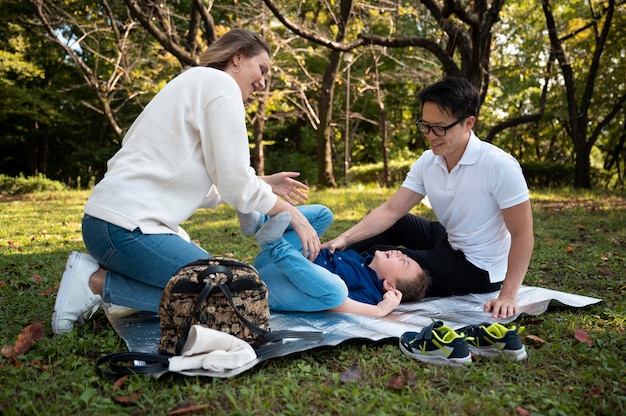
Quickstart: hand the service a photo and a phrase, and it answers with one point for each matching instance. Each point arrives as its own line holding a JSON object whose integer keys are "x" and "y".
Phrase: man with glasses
{"x": 483, "y": 239}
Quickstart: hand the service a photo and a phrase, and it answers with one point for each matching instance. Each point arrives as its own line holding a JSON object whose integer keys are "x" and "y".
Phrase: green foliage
{"x": 579, "y": 248}
{"x": 548, "y": 174}
{"x": 374, "y": 172}
{"x": 21, "y": 185}
{"x": 53, "y": 121}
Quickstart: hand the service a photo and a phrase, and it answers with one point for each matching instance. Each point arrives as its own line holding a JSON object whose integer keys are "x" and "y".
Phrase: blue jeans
{"x": 295, "y": 283}
{"x": 140, "y": 265}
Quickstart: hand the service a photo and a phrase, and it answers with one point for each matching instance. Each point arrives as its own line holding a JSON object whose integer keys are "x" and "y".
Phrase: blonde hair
{"x": 220, "y": 52}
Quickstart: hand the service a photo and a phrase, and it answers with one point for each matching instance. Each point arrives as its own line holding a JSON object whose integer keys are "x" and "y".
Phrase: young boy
{"x": 343, "y": 281}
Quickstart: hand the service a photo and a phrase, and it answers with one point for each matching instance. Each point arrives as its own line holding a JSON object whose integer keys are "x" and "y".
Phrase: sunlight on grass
{"x": 580, "y": 241}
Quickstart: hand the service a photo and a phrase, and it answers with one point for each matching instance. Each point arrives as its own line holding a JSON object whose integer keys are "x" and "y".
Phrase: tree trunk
{"x": 582, "y": 166}
{"x": 325, "y": 175}
{"x": 258, "y": 126}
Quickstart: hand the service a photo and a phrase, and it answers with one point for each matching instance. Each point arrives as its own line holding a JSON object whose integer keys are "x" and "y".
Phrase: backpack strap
{"x": 269, "y": 342}
{"x": 204, "y": 293}
{"x": 118, "y": 364}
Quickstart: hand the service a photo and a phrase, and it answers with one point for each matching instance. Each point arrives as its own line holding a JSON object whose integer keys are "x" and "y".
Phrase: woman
{"x": 187, "y": 149}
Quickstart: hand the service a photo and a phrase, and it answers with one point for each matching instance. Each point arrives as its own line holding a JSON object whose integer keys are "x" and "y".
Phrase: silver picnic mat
{"x": 140, "y": 330}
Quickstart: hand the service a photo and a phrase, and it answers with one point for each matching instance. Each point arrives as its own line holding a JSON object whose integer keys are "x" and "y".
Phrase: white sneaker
{"x": 75, "y": 300}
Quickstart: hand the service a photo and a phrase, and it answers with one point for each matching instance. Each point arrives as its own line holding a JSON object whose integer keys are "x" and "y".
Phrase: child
{"x": 343, "y": 281}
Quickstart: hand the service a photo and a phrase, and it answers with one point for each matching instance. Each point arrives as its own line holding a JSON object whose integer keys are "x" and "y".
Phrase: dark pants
{"x": 427, "y": 243}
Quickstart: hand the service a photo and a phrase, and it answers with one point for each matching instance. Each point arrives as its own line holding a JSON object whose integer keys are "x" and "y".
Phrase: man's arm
{"x": 391, "y": 300}
{"x": 519, "y": 222}
{"x": 378, "y": 220}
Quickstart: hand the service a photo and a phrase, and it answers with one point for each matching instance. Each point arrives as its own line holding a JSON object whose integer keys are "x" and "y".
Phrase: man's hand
{"x": 290, "y": 189}
{"x": 502, "y": 307}
{"x": 338, "y": 243}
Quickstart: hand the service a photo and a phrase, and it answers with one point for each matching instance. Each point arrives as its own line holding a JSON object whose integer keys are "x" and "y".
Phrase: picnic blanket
{"x": 140, "y": 329}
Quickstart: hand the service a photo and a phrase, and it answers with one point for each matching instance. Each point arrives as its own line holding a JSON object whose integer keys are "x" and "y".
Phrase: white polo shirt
{"x": 468, "y": 201}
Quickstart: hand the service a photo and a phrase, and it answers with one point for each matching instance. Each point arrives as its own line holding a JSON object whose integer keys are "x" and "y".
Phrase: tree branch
{"x": 168, "y": 42}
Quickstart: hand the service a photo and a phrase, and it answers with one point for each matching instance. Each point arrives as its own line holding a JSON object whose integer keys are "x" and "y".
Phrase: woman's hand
{"x": 290, "y": 189}
{"x": 308, "y": 236}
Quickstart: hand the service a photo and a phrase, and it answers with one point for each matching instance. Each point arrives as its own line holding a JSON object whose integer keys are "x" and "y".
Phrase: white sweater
{"x": 187, "y": 149}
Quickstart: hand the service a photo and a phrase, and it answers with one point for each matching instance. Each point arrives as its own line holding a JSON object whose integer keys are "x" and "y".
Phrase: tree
{"x": 106, "y": 50}
{"x": 465, "y": 30}
{"x": 584, "y": 123}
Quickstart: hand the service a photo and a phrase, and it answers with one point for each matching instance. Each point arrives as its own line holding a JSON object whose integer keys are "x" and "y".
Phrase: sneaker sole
{"x": 514, "y": 355}
{"x": 437, "y": 359}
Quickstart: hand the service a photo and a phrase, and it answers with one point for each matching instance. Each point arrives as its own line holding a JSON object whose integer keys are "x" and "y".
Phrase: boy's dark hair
{"x": 457, "y": 95}
{"x": 414, "y": 290}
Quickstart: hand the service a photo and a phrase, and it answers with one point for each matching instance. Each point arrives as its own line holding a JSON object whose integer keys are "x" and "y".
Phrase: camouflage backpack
{"x": 223, "y": 294}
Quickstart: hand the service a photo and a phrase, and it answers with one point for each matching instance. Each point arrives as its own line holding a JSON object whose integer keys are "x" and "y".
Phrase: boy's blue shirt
{"x": 363, "y": 283}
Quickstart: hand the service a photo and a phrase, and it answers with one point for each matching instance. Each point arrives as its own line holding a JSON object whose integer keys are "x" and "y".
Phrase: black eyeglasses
{"x": 437, "y": 130}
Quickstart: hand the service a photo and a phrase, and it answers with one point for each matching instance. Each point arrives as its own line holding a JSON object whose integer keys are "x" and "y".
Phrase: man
{"x": 483, "y": 241}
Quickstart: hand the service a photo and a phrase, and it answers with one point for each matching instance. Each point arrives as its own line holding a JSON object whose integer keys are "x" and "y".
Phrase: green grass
{"x": 580, "y": 248}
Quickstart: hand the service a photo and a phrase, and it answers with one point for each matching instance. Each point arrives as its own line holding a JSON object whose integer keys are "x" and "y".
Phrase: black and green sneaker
{"x": 490, "y": 340}
{"x": 437, "y": 344}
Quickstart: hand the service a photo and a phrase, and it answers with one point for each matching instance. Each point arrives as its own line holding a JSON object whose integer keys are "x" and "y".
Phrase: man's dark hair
{"x": 456, "y": 96}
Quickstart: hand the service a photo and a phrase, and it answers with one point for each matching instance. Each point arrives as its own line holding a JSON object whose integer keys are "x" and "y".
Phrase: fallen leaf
{"x": 522, "y": 412}
{"x": 120, "y": 381}
{"x": 38, "y": 364}
{"x": 351, "y": 374}
{"x": 50, "y": 291}
{"x": 596, "y": 391}
{"x": 569, "y": 249}
{"x": 582, "y": 336}
{"x": 537, "y": 341}
{"x": 605, "y": 272}
{"x": 8, "y": 351}
{"x": 396, "y": 382}
{"x": 410, "y": 378}
{"x": 13, "y": 244}
{"x": 128, "y": 400}
{"x": 24, "y": 341}
{"x": 36, "y": 278}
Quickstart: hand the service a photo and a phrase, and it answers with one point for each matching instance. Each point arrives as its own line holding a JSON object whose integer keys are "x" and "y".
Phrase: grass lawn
{"x": 576, "y": 363}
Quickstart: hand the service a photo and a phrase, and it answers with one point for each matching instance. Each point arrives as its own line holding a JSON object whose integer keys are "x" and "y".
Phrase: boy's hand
{"x": 391, "y": 300}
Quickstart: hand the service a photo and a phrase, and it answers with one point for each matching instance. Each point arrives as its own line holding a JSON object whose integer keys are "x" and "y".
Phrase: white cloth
{"x": 187, "y": 149}
{"x": 468, "y": 201}
{"x": 212, "y": 350}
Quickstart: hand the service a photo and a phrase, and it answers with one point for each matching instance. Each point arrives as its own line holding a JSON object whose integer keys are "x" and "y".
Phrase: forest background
{"x": 340, "y": 103}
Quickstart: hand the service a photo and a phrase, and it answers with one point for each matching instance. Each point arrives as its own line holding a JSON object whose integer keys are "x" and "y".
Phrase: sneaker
{"x": 490, "y": 340}
{"x": 75, "y": 300}
{"x": 437, "y": 344}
